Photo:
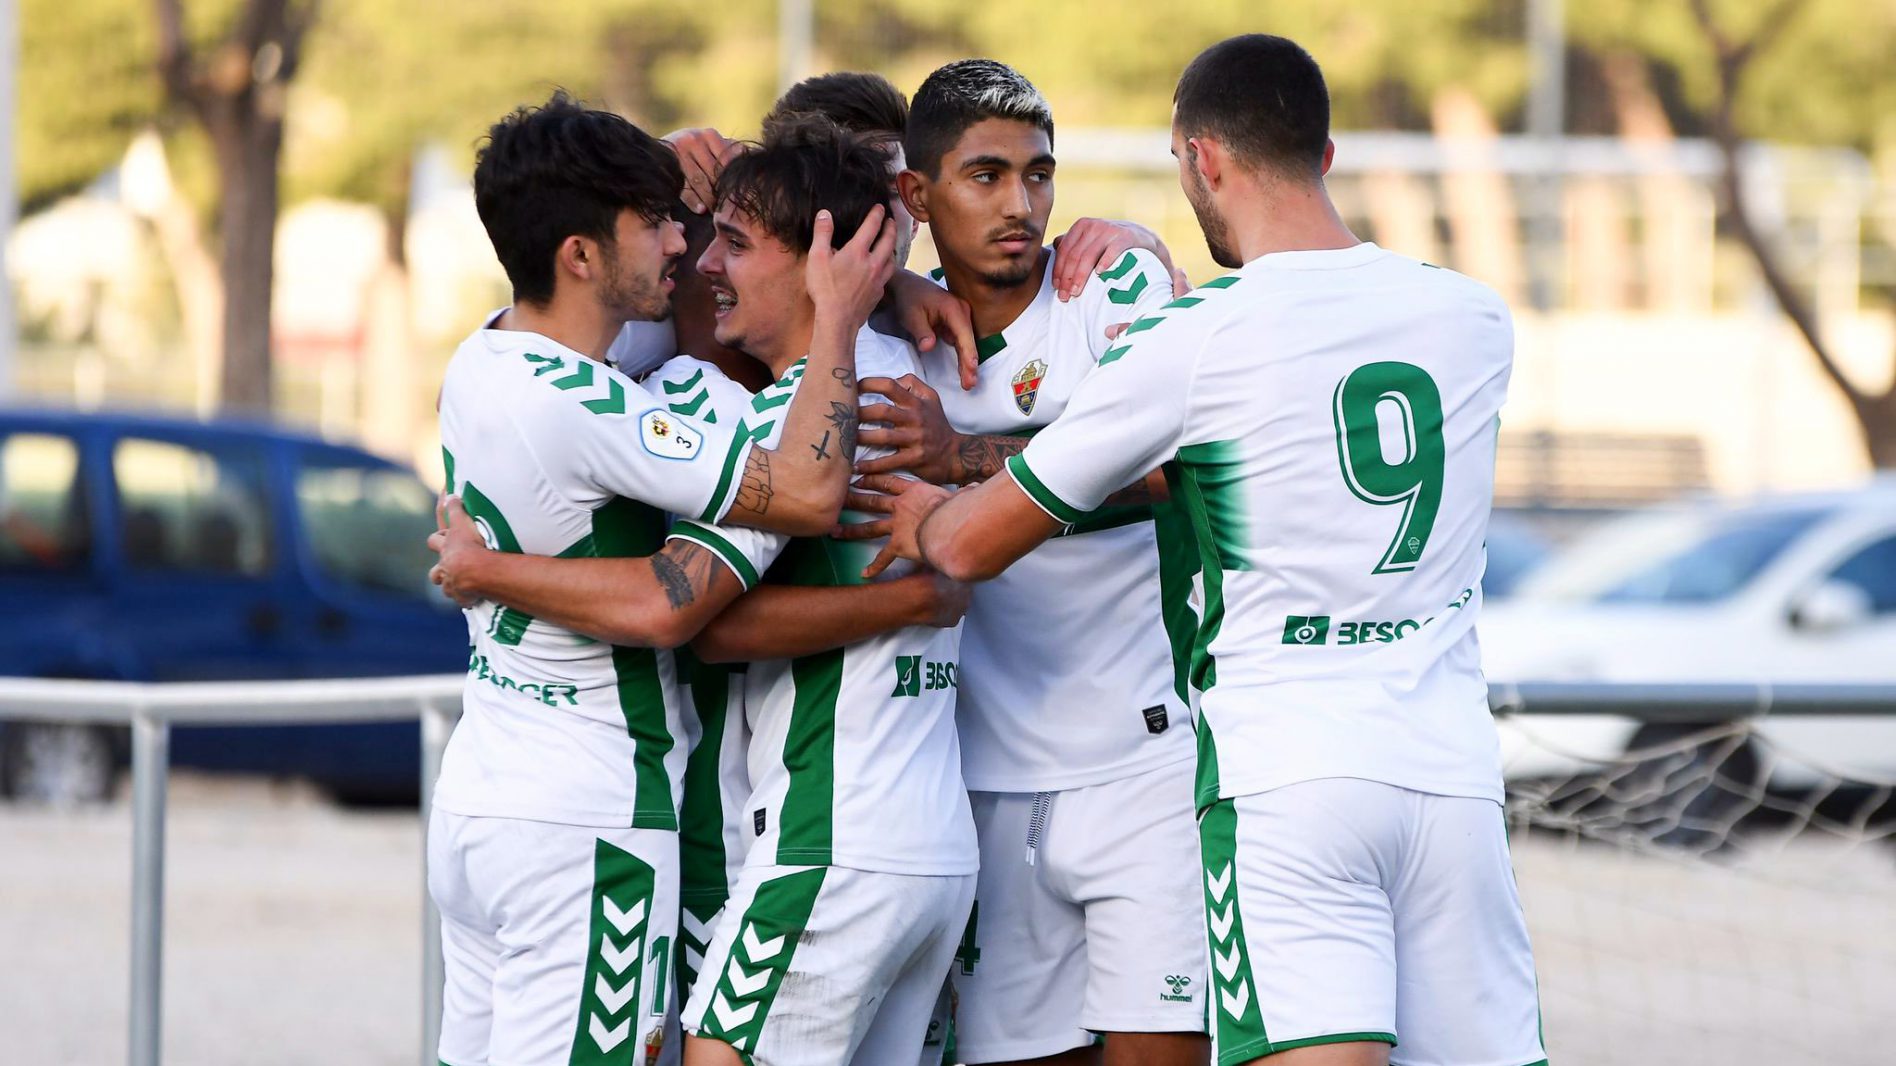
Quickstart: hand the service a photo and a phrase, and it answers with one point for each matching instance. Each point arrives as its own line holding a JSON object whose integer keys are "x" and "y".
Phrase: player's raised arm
{"x": 798, "y": 487}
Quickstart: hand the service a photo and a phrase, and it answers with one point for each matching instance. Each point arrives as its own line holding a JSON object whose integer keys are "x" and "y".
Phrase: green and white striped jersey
{"x": 854, "y": 760}
{"x": 1332, "y": 417}
{"x": 711, "y": 839}
{"x": 1072, "y": 678}
{"x": 553, "y": 453}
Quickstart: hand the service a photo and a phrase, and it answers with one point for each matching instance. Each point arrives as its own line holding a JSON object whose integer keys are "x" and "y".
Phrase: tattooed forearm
{"x": 684, "y": 571}
{"x": 982, "y": 457}
{"x": 1139, "y": 492}
{"x": 844, "y": 375}
{"x": 844, "y": 417}
{"x": 754, "y": 492}
{"x": 821, "y": 448}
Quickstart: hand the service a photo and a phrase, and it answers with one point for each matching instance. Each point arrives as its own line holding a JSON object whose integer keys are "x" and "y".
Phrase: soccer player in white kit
{"x": 1330, "y": 411}
{"x": 552, "y": 843}
{"x": 1075, "y": 713}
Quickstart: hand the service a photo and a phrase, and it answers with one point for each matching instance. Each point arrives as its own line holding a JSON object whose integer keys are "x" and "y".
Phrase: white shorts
{"x": 822, "y": 965}
{"x": 1099, "y": 929}
{"x": 1348, "y": 910}
{"x": 556, "y": 939}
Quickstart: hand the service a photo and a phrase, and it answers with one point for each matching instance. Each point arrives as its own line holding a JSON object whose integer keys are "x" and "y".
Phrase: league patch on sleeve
{"x": 668, "y": 436}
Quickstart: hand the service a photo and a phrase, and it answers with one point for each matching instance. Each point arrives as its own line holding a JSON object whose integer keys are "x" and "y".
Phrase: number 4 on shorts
{"x": 968, "y": 954}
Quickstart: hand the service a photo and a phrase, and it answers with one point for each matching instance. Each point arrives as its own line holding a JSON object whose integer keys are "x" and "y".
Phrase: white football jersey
{"x": 1332, "y": 415}
{"x": 854, "y": 761}
{"x": 711, "y": 840}
{"x": 554, "y": 453}
{"x": 1075, "y": 669}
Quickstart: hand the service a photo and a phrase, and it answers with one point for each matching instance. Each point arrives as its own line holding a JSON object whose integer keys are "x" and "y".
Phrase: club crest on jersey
{"x": 1027, "y": 385}
{"x": 667, "y": 436}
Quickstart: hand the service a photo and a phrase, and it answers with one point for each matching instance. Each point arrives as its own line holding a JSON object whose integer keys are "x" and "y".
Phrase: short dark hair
{"x": 962, "y": 94}
{"x": 1263, "y": 98}
{"x": 808, "y": 165}
{"x": 859, "y": 102}
{"x": 561, "y": 169}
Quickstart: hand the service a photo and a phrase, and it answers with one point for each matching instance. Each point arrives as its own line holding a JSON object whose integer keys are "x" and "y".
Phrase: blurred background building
{"x": 1580, "y": 159}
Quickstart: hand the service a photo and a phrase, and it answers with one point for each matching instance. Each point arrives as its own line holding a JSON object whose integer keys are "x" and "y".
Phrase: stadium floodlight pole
{"x": 9, "y": 191}
{"x": 1546, "y": 121}
{"x": 151, "y": 759}
{"x": 796, "y": 34}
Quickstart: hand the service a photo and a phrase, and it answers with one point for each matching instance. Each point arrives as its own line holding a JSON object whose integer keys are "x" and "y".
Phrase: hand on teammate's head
{"x": 848, "y": 281}
{"x": 702, "y": 153}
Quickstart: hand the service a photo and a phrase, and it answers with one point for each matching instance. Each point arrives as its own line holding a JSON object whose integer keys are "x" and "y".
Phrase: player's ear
{"x": 1329, "y": 155}
{"x": 1208, "y": 157}
{"x": 914, "y": 192}
{"x": 576, "y": 257}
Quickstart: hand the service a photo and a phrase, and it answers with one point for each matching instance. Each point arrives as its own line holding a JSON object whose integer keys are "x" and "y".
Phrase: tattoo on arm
{"x": 1139, "y": 492}
{"x": 844, "y": 375}
{"x": 754, "y": 491}
{"x": 844, "y": 417}
{"x": 684, "y": 570}
{"x": 982, "y": 457}
{"x": 821, "y": 448}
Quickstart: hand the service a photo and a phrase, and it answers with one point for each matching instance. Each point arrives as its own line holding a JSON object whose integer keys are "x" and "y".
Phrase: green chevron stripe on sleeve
{"x": 722, "y": 495}
{"x": 1111, "y": 355}
{"x": 1041, "y": 494}
{"x": 1143, "y": 324}
{"x": 1221, "y": 283}
{"x": 689, "y": 408}
{"x": 674, "y": 388}
{"x": 545, "y": 364}
{"x": 612, "y": 403}
{"x": 1127, "y": 263}
{"x": 610, "y": 1002}
{"x": 1130, "y": 293}
{"x": 581, "y": 377}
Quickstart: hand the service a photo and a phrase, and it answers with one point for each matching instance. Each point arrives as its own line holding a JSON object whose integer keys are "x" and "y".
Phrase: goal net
{"x": 1712, "y": 895}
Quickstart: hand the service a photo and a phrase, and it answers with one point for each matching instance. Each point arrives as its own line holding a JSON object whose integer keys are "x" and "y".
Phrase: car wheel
{"x": 1690, "y": 785}
{"x": 58, "y": 764}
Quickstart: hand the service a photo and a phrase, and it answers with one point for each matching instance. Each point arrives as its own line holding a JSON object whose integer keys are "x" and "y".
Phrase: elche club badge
{"x": 1027, "y": 385}
{"x": 667, "y": 436}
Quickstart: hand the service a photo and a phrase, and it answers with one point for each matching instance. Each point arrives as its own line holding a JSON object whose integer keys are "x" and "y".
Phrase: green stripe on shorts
{"x": 1237, "y": 1026}
{"x": 609, "y": 1002}
{"x": 766, "y": 940}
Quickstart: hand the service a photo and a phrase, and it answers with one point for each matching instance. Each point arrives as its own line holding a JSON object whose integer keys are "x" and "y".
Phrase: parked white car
{"x": 1785, "y": 589}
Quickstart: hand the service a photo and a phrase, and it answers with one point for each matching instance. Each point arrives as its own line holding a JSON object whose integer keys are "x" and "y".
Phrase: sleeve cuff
{"x": 726, "y": 552}
{"x": 1038, "y": 492}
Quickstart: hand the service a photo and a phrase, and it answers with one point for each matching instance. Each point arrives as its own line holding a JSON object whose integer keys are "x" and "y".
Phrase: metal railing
{"x": 150, "y": 710}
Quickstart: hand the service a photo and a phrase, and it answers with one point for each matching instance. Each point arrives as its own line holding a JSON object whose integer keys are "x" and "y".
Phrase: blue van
{"x": 145, "y": 548}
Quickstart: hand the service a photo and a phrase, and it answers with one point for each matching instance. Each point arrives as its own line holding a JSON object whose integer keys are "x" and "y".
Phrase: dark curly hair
{"x": 807, "y": 165}
{"x": 562, "y": 169}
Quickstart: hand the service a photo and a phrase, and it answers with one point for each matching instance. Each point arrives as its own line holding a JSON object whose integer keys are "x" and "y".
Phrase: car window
{"x": 45, "y": 523}
{"x": 368, "y": 527}
{"x": 185, "y": 509}
{"x": 1723, "y": 558}
{"x": 1873, "y": 570}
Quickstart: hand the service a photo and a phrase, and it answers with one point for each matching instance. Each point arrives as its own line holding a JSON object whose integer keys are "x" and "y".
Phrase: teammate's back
{"x": 1344, "y": 462}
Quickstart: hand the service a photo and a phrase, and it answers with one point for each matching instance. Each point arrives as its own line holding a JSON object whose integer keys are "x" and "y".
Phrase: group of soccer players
{"x": 1035, "y": 663}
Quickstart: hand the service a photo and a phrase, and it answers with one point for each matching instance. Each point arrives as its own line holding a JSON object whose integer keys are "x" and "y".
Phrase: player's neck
{"x": 578, "y": 323}
{"x": 994, "y": 307}
{"x": 782, "y": 353}
{"x": 700, "y": 342}
{"x": 1288, "y": 218}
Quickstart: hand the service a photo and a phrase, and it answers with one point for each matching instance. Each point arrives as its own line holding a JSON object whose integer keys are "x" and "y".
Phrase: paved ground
{"x": 293, "y": 937}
